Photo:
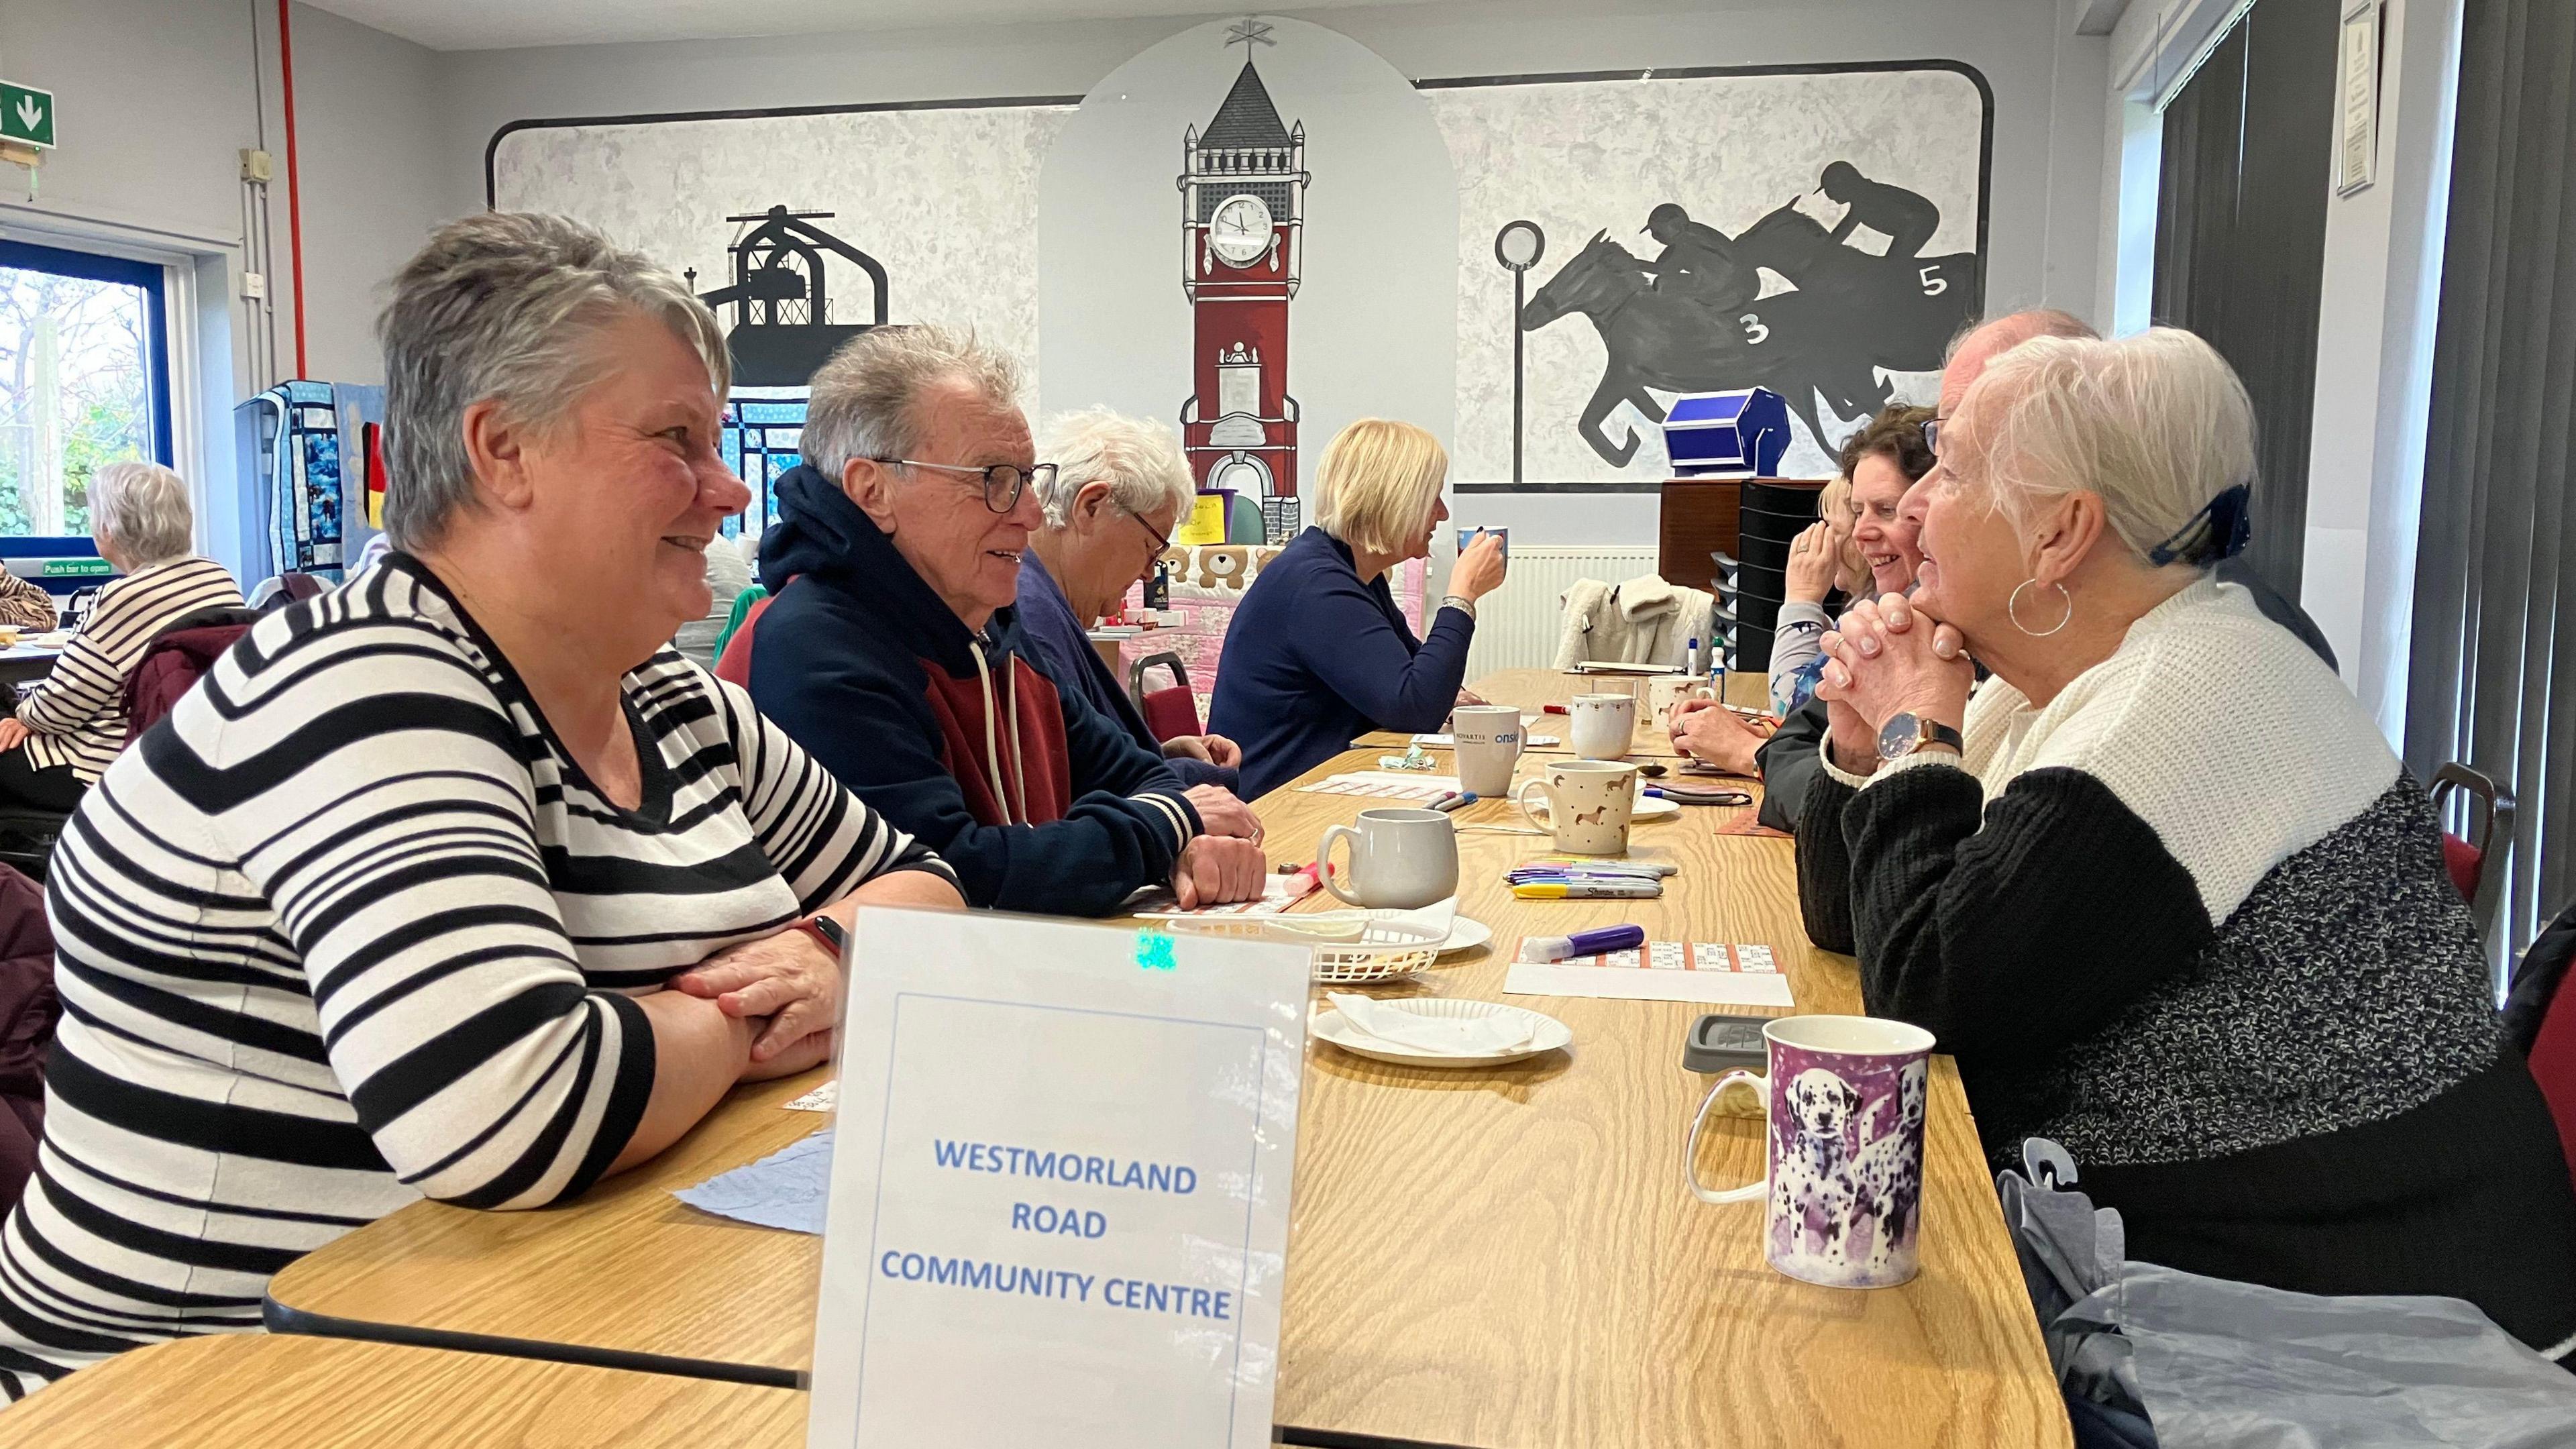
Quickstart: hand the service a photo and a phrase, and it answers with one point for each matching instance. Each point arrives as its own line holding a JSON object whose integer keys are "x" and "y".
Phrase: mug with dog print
{"x": 1845, "y": 1100}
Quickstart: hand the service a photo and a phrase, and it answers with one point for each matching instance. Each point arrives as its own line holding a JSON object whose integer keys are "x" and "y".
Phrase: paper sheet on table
{"x": 1278, "y": 893}
{"x": 822, "y": 1099}
{"x": 788, "y": 1189}
{"x": 1450, "y": 742}
{"x": 1384, "y": 785}
{"x": 1710, "y": 974}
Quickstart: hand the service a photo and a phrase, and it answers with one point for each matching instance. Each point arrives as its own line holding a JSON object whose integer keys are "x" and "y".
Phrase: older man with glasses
{"x": 891, "y": 651}
{"x": 1120, "y": 488}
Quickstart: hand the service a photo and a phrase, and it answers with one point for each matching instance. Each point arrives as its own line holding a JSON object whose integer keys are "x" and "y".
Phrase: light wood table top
{"x": 258, "y": 1391}
{"x": 1499, "y": 1257}
{"x": 1534, "y": 689}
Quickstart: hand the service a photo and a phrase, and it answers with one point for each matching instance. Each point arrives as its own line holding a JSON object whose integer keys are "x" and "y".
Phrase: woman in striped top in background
{"x": 68, "y": 728}
{"x": 455, "y": 881}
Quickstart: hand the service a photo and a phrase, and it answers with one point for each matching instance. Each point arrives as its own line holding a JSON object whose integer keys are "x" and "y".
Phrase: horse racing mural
{"x": 1815, "y": 233}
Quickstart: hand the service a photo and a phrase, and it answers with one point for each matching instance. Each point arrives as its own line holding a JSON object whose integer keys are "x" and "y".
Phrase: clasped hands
{"x": 1879, "y": 663}
{"x": 790, "y": 980}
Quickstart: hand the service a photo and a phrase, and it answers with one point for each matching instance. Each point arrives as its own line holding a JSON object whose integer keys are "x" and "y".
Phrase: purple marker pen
{"x": 1582, "y": 943}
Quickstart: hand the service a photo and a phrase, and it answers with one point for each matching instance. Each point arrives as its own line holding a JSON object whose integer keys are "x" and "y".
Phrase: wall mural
{"x": 1618, "y": 240}
{"x": 1625, "y": 239}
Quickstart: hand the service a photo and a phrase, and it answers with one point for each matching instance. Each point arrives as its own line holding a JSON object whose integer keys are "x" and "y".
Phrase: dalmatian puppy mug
{"x": 1844, "y": 1100}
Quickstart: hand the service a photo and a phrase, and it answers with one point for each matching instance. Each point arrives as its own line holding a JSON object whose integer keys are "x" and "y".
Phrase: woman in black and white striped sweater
{"x": 2161, "y": 886}
{"x": 67, "y": 729}
{"x": 390, "y": 908}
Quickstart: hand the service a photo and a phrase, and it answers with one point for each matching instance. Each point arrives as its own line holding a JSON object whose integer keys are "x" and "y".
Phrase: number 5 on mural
{"x": 1934, "y": 284}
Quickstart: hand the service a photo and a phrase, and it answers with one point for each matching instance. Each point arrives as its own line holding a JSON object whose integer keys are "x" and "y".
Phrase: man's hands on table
{"x": 1216, "y": 869}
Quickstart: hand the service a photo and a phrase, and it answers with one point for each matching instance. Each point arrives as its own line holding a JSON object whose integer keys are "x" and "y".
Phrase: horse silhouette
{"x": 1850, "y": 315}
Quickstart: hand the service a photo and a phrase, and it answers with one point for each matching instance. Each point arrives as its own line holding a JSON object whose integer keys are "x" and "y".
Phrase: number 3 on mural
{"x": 1755, "y": 331}
{"x": 1934, "y": 284}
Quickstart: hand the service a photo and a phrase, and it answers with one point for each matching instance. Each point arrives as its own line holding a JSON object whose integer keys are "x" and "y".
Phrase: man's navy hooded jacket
{"x": 1040, "y": 803}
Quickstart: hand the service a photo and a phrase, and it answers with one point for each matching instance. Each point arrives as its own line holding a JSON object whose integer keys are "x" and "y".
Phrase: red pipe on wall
{"x": 294, "y": 197}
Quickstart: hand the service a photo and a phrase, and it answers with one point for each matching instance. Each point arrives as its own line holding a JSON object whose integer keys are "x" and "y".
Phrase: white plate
{"x": 1326, "y": 1024}
{"x": 1466, "y": 933}
{"x": 1649, "y": 807}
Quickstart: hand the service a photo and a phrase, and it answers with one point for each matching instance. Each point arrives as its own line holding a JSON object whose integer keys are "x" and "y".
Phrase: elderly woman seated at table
{"x": 1318, "y": 653}
{"x": 2161, "y": 886}
{"x": 456, "y": 881}
{"x": 68, "y": 729}
{"x": 1120, "y": 488}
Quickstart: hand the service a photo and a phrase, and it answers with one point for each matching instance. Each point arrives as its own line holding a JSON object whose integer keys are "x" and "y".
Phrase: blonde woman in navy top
{"x": 1318, "y": 652}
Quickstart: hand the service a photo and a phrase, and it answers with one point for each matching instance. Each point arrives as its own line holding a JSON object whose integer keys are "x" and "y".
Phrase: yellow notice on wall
{"x": 1206, "y": 523}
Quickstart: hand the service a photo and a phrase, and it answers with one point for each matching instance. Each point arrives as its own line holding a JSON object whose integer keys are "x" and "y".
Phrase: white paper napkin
{"x": 1447, "y": 1036}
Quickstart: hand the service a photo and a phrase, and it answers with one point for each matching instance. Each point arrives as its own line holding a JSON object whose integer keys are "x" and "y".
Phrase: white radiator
{"x": 1518, "y": 625}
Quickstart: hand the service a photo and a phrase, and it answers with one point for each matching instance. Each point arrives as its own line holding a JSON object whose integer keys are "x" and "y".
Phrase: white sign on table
{"x": 1059, "y": 1203}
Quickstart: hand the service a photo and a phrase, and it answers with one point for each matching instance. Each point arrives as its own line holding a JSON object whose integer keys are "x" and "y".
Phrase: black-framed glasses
{"x": 1162, "y": 540}
{"x": 1932, "y": 435}
{"x": 1003, "y": 482}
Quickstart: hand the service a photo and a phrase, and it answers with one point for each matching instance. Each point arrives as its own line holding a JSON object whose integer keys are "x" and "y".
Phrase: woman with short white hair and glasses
{"x": 1120, "y": 488}
{"x": 69, "y": 728}
{"x": 2161, "y": 886}
{"x": 456, "y": 881}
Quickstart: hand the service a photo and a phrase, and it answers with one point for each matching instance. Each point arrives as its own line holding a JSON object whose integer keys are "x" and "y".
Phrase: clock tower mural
{"x": 1243, "y": 187}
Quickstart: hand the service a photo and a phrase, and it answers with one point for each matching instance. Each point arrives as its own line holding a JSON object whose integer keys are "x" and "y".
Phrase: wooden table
{"x": 256, "y": 1391}
{"x": 1491, "y": 1258}
{"x": 1533, "y": 689}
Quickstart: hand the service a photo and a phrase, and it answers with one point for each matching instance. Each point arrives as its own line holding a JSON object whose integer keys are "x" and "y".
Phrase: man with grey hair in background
{"x": 1120, "y": 488}
{"x": 892, "y": 653}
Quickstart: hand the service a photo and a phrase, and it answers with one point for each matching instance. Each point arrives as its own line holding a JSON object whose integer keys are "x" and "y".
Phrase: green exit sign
{"x": 76, "y": 568}
{"x": 26, "y": 115}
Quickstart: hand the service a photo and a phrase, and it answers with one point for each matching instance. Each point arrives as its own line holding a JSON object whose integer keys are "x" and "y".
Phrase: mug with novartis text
{"x": 1845, "y": 1104}
{"x": 1402, "y": 859}
{"x": 1488, "y": 741}
{"x": 1604, "y": 725}
{"x": 1589, "y": 804}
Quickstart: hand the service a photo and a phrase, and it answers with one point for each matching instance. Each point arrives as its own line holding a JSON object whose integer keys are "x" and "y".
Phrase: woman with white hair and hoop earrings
{"x": 68, "y": 729}
{"x": 2161, "y": 887}
{"x": 1120, "y": 488}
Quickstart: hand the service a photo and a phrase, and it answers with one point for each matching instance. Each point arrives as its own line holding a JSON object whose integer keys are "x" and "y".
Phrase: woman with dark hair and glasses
{"x": 892, "y": 652}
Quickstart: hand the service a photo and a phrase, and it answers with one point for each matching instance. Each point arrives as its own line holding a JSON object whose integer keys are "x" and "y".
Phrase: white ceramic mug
{"x": 1400, "y": 858}
{"x": 1669, "y": 690}
{"x": 1488, "y": 738}
{"x": 1589, "y": 804}
{"x": 1604, "y": 725}
{"x": 1844, "y": 1165}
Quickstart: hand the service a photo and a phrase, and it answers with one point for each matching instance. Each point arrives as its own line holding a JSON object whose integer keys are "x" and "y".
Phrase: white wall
{"x": 2045, "y": 211}
{"x": 368, "y": 112}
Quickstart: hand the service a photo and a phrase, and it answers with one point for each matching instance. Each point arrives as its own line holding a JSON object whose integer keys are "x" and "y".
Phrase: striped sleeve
{"x": 824, "y": 841}
{"x": 78, "y": 714}
{"x": 374, "y": 793}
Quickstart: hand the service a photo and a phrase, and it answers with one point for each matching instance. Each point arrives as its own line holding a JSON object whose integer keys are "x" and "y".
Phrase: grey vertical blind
{"x": 2241, "y": 240}
{"x": 2492, "y": 680}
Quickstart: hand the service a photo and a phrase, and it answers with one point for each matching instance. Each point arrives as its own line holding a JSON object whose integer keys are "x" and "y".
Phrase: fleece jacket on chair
{"x": 1040, "y": 803}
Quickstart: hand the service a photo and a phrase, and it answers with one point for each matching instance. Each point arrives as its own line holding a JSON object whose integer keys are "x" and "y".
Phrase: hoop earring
{"x": 2012, "y": 609}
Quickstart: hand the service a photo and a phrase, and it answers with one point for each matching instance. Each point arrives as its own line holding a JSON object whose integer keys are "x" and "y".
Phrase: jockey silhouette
{"x": 1907, "y": 219}
{"x": 1698, "y": 261}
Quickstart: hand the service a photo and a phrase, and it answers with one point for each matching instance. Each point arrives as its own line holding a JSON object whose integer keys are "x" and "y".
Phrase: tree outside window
{"x": 82, "y": 380}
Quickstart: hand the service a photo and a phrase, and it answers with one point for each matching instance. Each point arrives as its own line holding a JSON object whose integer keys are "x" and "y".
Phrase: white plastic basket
{"x": 1350, "y": 947}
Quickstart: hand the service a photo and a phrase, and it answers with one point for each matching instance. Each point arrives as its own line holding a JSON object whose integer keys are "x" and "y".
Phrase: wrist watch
{"x": 1459, "y": 602}
{"x": 1903, "y": 734}
{"x": 828, "y": 933}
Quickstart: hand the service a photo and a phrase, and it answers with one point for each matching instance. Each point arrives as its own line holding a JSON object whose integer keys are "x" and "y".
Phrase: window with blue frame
{"x": 763, "y": 427}
{"x": 84, "y": 380}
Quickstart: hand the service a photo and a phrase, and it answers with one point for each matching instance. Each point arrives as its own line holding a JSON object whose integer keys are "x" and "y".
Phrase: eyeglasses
{"x": 1932, "y": 434}
{"x": 1162, "y": 540}
{"x": 1002, "y": 481}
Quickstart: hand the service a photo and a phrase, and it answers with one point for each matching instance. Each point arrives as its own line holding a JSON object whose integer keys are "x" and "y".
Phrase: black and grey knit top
{"x": 2189, "y": 919}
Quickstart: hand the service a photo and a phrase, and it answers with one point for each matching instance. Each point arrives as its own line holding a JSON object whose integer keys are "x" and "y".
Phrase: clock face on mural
{"x": 1240, "y": 231}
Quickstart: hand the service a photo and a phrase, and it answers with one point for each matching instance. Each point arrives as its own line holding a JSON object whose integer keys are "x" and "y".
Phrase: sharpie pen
{"x": 1455, "y": 799}
{"x": 1587, "y": 890}
{"x": 1593, "y": 864}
